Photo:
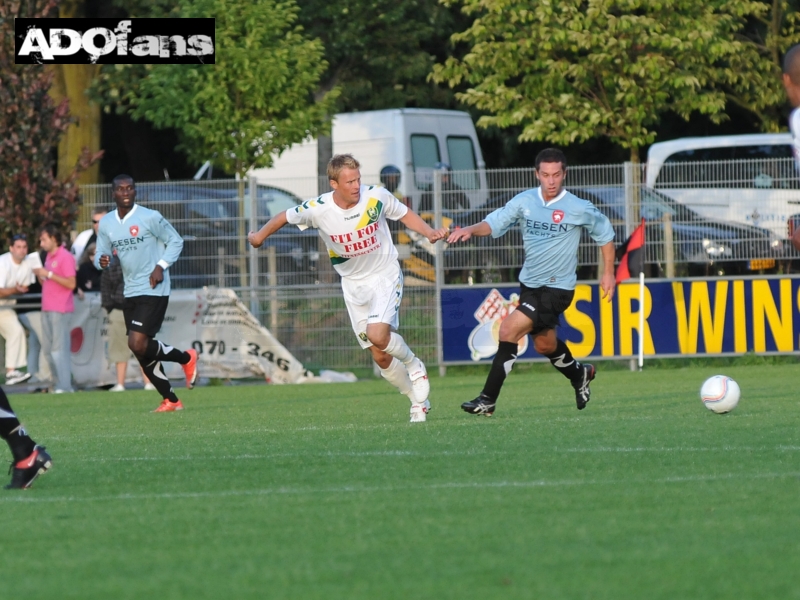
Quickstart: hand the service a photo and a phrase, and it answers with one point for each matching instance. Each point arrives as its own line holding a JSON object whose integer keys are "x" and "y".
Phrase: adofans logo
{"x": 108, "y": 41}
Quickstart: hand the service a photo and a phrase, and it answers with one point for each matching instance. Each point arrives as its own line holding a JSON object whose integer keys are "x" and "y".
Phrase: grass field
{"x": 326, "y": 491}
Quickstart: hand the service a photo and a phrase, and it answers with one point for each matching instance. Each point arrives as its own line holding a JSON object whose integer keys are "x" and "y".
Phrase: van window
{"x": 425, "y": 154}
{"x": 739, "y": 167}
{"x": 462, "y": 158}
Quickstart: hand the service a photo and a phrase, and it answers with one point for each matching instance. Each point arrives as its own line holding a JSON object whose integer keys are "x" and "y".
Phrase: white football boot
{"x": 419, "y": 412}
{"x": 419, "y": 381}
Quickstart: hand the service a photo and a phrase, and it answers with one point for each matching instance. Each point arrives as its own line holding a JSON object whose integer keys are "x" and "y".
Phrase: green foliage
{"x": 572, "y": 70}
{"x": 256, "y": 100}
{"x": 381, "y": 51}
{"x": 31, "y": 125}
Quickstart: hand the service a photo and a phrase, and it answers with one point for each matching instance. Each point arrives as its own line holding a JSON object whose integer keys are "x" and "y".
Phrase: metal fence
{"x": 290, "y": 285}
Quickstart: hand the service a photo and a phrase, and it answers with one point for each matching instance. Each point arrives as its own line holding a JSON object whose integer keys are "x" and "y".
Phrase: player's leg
{"x": 512, "y": 329}
{"x": 357, "y": 297}
{"x": 382, "y": 324}
{"x": 30, "y": 460}
{"x": 143, "y": 318}
{"x": 552, "y": 303}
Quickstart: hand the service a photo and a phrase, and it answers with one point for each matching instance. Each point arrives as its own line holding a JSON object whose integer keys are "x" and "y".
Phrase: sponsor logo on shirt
{"x": 352, "y": 217}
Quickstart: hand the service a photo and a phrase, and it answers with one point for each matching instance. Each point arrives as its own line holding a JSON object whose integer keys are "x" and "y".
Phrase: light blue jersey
{"x": 143, "y": 239}
{"x": 551, "y": 232}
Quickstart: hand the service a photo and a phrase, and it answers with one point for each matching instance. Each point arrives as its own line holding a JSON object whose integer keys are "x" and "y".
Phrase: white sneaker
{"x": 117, "y": 388}
{"x": 419, "y": 412}
{"x": 419, "y": 380}
{"x": 16, "y": 376}
{"x": 149, "y": 386}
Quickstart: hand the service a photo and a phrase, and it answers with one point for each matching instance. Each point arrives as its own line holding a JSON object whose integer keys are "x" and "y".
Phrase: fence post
{"x": 253, "y": 251}
{"x": 669, "y": 249}
{"x": 438, "y": 262}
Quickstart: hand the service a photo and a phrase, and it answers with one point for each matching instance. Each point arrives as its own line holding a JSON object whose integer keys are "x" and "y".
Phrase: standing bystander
{"x": 58, "y": 282}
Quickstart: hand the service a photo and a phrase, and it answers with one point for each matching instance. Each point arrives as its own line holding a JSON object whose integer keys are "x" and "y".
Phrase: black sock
{"x": 159, "y": 351}
{"x": 563, "y": 360}
{"x": 155, "y": 373}
{"x": 501, "y": 367}
{"x": 20, "y": 444}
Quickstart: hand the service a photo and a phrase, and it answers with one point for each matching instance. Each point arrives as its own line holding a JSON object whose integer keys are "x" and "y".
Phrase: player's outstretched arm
{"x": 257, "y": 238}
{"x": 416, "y": 224}
{"x": 608, "y": 282}
{"x": 463, "y": 234}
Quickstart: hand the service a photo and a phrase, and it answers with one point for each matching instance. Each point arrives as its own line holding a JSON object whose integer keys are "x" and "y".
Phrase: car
{"x": 701, "y": 246}
{"x": 215, "y": 248}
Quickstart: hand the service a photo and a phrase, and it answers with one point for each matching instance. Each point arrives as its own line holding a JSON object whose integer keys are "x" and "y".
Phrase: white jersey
{"x": 358, "y": 239}
{"x": 794, "y": 127}
{"x": 13, "y": 274}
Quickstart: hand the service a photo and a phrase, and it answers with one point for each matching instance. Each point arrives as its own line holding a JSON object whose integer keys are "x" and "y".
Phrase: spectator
{"x": 29, "y": 312}
{"x": 58, "y": 282}
{"x": 15, "y": 276}
{"x": 89, "y": 236}
{"x": 88, "y": 276}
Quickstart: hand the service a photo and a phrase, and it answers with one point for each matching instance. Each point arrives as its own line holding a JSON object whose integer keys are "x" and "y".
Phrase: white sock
{"x": 397, "y": 375}
{"x": 398, "y": 348}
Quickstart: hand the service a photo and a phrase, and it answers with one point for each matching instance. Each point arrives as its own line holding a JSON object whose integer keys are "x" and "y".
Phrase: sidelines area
{"x": 229, "y": 341}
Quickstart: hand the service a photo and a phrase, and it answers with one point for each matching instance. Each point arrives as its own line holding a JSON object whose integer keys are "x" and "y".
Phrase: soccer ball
{"x": 720, "y": 394}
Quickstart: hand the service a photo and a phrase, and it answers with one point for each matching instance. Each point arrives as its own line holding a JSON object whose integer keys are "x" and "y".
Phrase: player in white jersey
{"x": 551, "y": 220}
{"x": 791, "y": 82}
{"x": 352, "y": 222}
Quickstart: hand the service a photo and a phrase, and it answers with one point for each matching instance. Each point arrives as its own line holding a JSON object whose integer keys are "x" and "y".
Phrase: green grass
{"x": 325, "y": 491}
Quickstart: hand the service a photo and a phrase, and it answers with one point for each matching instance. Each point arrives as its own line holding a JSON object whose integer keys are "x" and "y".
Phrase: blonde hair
{"x": 340, "y": 162}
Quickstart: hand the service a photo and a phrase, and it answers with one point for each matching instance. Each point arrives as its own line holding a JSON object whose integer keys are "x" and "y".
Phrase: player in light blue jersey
{"x": 147, "y": 245}
{"x": 791, "y": 82}
{"x": 551, "y": 220}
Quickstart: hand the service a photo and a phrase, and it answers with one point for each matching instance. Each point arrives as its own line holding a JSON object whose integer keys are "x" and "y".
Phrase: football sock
{"x": 155, "y": 373}
{"x": 398, "y": 348}
{"x": 397, "y": 375}
{"x": 501, "y": 367}
{"x": 20, "y": 444}
{"x": 159, "y": 351}
{"x": 563, "y": 360}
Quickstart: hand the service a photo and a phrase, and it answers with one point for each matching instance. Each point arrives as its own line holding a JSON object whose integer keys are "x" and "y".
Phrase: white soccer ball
{"x": 720, "y": 394}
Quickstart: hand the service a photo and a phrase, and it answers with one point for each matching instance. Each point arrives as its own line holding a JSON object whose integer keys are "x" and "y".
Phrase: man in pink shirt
{"x": 58, "y": 282}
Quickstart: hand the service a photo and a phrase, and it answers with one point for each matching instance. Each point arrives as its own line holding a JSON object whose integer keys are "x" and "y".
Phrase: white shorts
{"x": 374, "y": 299}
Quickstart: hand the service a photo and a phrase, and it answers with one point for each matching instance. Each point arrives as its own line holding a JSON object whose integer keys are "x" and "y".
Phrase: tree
{"x": 751, "y": 80}
{"x": 31, "y": 126}
{"x": 576, "y": 69}
{"x": 255, "y": 101}
{"x": 381, "y": 51}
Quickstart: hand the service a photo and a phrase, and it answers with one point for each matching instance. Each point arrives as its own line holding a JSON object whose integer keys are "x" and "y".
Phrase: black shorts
{"x": 145, "y": 313}
{"x": 543, "y": 306}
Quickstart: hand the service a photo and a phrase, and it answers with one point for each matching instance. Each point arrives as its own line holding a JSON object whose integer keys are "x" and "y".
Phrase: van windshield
{"x": 462, "y": 159}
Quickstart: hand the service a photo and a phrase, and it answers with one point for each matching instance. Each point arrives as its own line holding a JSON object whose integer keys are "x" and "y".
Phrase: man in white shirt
{"x": 15, "y": 277}
{"x": 88, "y": 236}
{"x": 352, "y": 221}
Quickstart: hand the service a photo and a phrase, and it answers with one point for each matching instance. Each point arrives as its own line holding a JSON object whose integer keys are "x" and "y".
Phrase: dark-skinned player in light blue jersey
{"x": 551, "y": 220}
{"x": 147, "y": 245}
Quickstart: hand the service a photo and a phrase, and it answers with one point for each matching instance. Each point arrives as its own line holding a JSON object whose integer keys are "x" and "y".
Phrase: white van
{"x": 411, "y": 139}
{"x": 748, "y": 179}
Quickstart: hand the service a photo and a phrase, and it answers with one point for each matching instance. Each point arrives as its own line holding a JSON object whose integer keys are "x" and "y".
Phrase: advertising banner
{"x": 697, "y": 317}
{"x": 229, "y": 340}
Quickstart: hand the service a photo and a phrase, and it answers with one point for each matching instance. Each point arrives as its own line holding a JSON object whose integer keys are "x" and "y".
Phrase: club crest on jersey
{"x": 134, "y": 230}
{"x": 558, "y": 216}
